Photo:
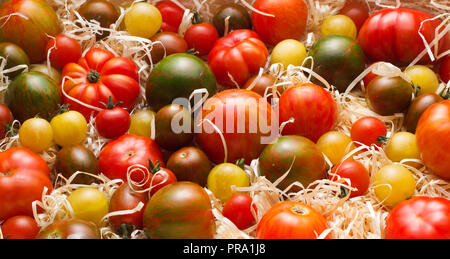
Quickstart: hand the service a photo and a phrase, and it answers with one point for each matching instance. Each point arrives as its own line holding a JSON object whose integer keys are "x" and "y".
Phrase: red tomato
{"x": 433, "y": 131}
{"x": 20, "y": 227}
{"x": 313, "y": 109}
{"x": 161, "y": 178}
{"x": 289, "y": 21}
{"x": 6, "y": 118}
{"x": 444, "y": 70}
{"x": 113, "y": 121}
{"x": 369, "y": 77}
{"x": 355, "y": 172}
{"x": 243, "y": 136}
{"x": 63, "y": 50}
{"x": 419, "y": 218}
{"x": 357, "y": 11}
{"x": 99, "y": 75}
{"x": 238, "y": 209}
{"x": 23, "y": 176}
{"x": 291, "y": 220}
{"x": 201, "y": 37}
{"x": 118, "y": 155}
{"x": 368, "y": 131}
{"x": 239, "y": 55}
{"x": 391, "y": 35}
{"x": 172, "y": 15}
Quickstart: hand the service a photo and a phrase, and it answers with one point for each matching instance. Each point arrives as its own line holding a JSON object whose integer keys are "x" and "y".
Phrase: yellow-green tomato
{"x": 289, "y": 52}
{"x": 88, "y": 204}
{"x": 143, "y": 20}
{"x": 223, "y": 176}
{"x": 423, "y": 77}
{"x": 69, "y": 128}
{"x": 141, "y": 123}
{"x": 402, "y": 145}
{"x": 36, "y": 134}
{"x": 335, "y": 145}
{"x": 393, "y": 184}
{"x": 339, "y": 24}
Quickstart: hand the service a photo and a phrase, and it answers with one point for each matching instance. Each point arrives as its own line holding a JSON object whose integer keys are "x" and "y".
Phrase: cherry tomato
{"x": 14, "y": 55}
{"x": 418, "y": 107}
{"x": 201, "y": 37}
{"x": 170, "y": 43}
{"x": 288, "y": 52}
{"x": 238, "y": 209}
{"x": 73, "y": 158}
{"x": 36, "y": 134}
{"x": 424, "y": 78}
{"x": 225, "y": 175}
{"x": 339, "y": 24}
{"x": 174, "y": 127}
{"x": 237, "y": 16}
{"x": 141, "y": 123}
{"x": 162, "y": 177}
{"x": 357, "y": 11}
{"x": 20, "y": 227}
{"x": 444, "y": 70}
{"x": 354, "y": 171}
{"x": 172, "y": 15}
{"x": 113, "y": 121}
{"x": 369, "y": 131}
{"x": 102, "y": 11}
{"x": 63, "y": 50}
{"x": 69, "y": 128}
{"x": 143, "y": 20}
{"x": 393, "y": 184}
{"x": 335, "y": 145}
{"x": 88, "y": 204}
{"x": 6, "y": 118}
{"x": 402, "y": 145}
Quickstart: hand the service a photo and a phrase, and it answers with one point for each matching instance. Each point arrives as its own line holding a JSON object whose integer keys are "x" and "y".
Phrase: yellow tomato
{"x": 223, "y": 176}
{"x": 402, "y": 145}
{"x": 288, "y": 52}
{"x": 69, "y": 128}
{"x": 335, "y": 145}
{"x": 88, "y": 204}
{"x": 423, "y": 77}
{"x": 141, "y": 123}
{"x": 394, "y": 184}
{"x": 36, "y": 134}
{"x": 143, "y": 20}
{"x": 339, "y": 24}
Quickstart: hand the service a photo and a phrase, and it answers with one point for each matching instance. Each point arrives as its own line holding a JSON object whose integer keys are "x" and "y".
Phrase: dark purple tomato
{"x": 14, "y": 56}
{"x": 174, "y": 127}
{"x": 418, "y": 107}
{"x": 190, "y": 164}
{"x": 239, "y": 18}
{"x": 102, "y": 11}
{"x": 73, "y": 158}
{"x": 169, "y": 43}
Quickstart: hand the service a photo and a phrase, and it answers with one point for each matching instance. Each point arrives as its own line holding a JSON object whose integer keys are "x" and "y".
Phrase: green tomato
{"x": 141, "y": 123}
{"x": 223, "y": 176}
{"x": 394, "y": 184}
{"x": 335, "y": 145}
{"x": 402, "y": 145}
{"x": 423, "y": 77}
{"x": 289, "y": 52}
{"x": 143, "y": 20}
{"x": 339, "y": 24}
{"x": 36, "y": 134}
{"x": 89, "y": 204}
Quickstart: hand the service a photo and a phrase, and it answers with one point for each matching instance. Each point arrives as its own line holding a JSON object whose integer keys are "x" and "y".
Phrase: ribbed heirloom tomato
{"x": 97, "y": 76}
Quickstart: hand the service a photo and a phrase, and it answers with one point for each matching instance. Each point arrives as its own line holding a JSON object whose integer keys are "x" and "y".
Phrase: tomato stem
{"x": 196, "y": 19}
{"x": 382, "y": 140}
{"x": 298, "y": 210}
{"x": 445, "y": 94}
{"x": 93, "y": 76}
{"x": 241, "y": 163}
{"x": 154, "y": 168}
{"x": 110, "y": 104}
{"x": 125, "y": 230}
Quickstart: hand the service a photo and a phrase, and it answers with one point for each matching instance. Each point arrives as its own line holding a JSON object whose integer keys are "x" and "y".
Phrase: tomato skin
{"x": 63, "y": 50}
{"x": 73, "y": 158}
{"x": 313, "y": 109}
{"x": 335, "y": 146}
{"x": 288, "y": 52}
{"x": 162, "y": 178}
{"x": 357, "y": 11}
{"x": 23, "y": 177}
{"x": 99, "y": 75}
{"x": 444, "y": 70}
{"x": 432, "y": 134}
{"x": 391, "y": 35}
{"x": 291, "y": 220}
{"x": 223, "y": 176}
{"x": 419, "y": 218}
{"x": 70, "y": 229}
{"x": 289, "y": 21}
{"x": 36, "y": 134}
{"x": 102, "y": 11}
{"x": 6, "y": 118}
{"x": 239, "y": 18}
{"x": 141, "y": 123}
{"x": 418, "y": 107}
{"x": 262, "y": 84}
{"x": 53, "y": 73}
{"x": 125, "y": 151}
{"x": 14, "y": 56}
{"x": 112, "y": 123}
{"x": 143, "y": 20}
{"x": 369, "y": 77}
{"x": 367, "y": 131}
{"x": 172, "y": 15}
{"x": 238, "y": 209}
{"x": 356, "y": 172}
{"x": 393, "y": 184}
{"x": 171, "y": 43}
{"x": 168, "y": 137}
{"x": 201, "y": 37}
{"x": 339, "y": 24}
{"x": 88, "y": 204}
{"x": 240, "y": 54}
{"x": 20, "y": 227}
{"x": 69, "y": 128}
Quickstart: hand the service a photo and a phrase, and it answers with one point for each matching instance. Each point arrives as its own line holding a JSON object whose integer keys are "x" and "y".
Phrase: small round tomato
{"x": 402, "y": 145}
{"x": 288, "y": 52}
{"x": 418, "y": 107}
{"x": 14, "y": 56}
{"x": 357, "y": 11}
{"x": 225, "y": 175}
{"x": 339, "y": 24}
{"x": 141, "y": 123}
{"x": 174, "y": 127}
{"x": 261, "y": 85}
{"x": 165, "y": 44}
{"x": 63, "y": 50}
{"x": 235, "y": 15}
{"x": 161, "y": 177}
{"x": 291, "y": 220}
{"x": 201, "y": 37}
{"x": 73, "y": 158}
{"x": 238, "y": 209}
{"x": 113, "y": 121}
{"x": 36, "y": 134}
{"x": 20, "y": 227}
{"x": 70, "y": 229}
{"x": 101, "y": 11}
{"x": 143, "y": 20}
{"x": 444, "y": 69}
{"x": 53, "y": 73}
{"x": 69, "y": 128}
{"x": 88, "y": 204}
{"x": 369, "y": 131}
{"x": 423, "y": 78}
{"x": 354, "y": 171}
{"x": 335, "y": 145}
{"x": 172, "y": 15}
{"x": 6, "y": 118}
{"x": 393, "y": 184}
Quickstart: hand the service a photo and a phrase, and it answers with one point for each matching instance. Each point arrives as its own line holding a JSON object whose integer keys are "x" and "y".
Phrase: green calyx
{"x": 382, "y": 140}
{"x": 110, "y": 104}
{"x": 196, "y": 19}
{"x": 125, "y": 230}
{"x": 154, "y": 168}
{"x": 93, "y": 76}
{"x": 241, "y": 163}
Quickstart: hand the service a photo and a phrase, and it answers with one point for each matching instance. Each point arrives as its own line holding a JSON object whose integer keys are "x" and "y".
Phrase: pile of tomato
{"x": 166, "y": 177}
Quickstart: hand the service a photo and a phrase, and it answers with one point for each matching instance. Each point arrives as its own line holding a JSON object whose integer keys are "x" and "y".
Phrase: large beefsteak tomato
{"x": 23, "y": 176}
{"x": 97, "y": 76}
{"x": 235, "y": 57}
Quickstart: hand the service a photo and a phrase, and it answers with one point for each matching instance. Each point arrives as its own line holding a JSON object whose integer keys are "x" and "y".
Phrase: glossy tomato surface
{"x": 201, "y": 38}
{"x": 70, "y": 229}
{"x": 63, "y": 50}
{"x": 418, "y": 107}
{"x": 357, "y": 11}
{"x": 444, "y": 70}
{"x": 190, "y": 164}
{"x": 235, "y": 15}
{"x": 6, "y": 118}
{"x": 172, "y": 15}
{"x": 239, "y": 209}
{"x": 355, "y": 172}
{"x": 73, "y": 158}
{"x": 168, "y": 43}
{"x": 20, "y": 227}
